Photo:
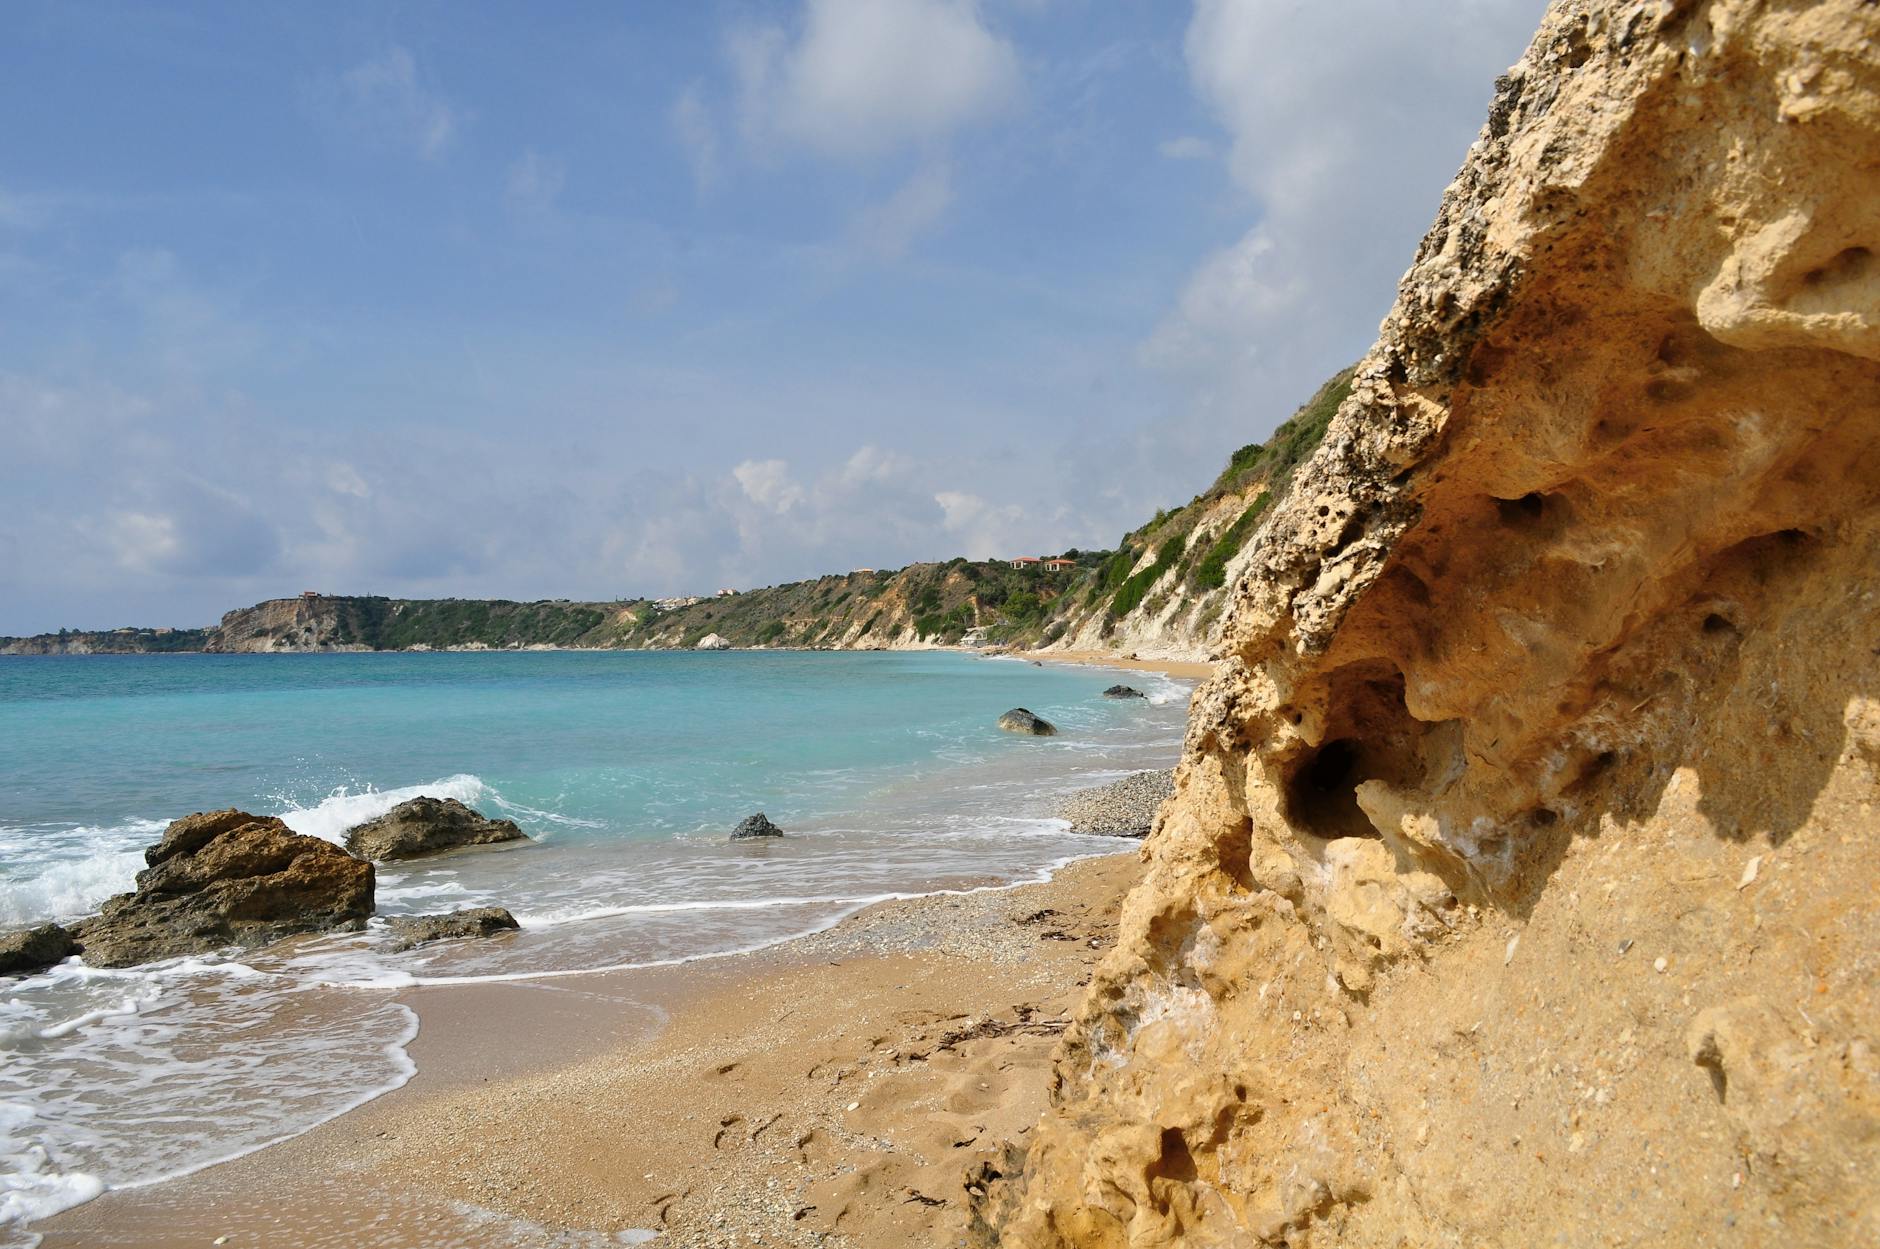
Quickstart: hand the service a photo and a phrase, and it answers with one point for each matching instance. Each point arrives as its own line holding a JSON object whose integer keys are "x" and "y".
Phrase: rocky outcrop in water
{"x": 713, "y": 642}
{"x": 752, "y": 826}
{"x": 1018, "y": 720}
{"x": 424, "y": 826}
{"x": 34, "y": 949}
{"x": 1123, "y": 691}
{"x": 1522, "y": 882}
{"x": 480, "y": 921}
{"x": 225, "y": 878}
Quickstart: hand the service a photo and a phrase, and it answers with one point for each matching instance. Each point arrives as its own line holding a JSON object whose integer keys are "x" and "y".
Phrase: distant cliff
{"x": 1159, "y": 593}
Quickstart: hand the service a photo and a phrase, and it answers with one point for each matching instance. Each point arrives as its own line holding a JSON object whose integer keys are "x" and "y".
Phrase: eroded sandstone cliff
{"x": 1522, "y": 882}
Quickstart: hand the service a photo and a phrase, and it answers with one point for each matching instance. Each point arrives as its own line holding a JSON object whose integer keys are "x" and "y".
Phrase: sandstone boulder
{"x": 1019, "y": 720}
{"x": 758, "y": 825}
{"x": 424, "y": 826}
{"x": 224, "y": 878}
{"x": 34, "y": 948}
{"x": 713, "y": 642}
{"x": 480, "y": 921}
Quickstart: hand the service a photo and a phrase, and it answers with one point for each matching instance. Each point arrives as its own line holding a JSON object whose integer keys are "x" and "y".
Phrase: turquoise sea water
{"x": 628, "y": 769}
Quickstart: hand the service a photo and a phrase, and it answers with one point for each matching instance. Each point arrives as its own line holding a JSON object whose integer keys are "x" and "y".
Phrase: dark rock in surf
{"x": 1019, "y": 720}
{"x": 424, "y": 826}
{"x": 479, "y": 921}
{"x": 758, "y": 825}
{"x": 223, "y": 878}
{"x": 1123, "y": 691}
{"x": 35, "y": 948}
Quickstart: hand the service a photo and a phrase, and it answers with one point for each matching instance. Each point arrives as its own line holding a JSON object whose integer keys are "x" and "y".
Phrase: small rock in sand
{"x": 480, "y": 921}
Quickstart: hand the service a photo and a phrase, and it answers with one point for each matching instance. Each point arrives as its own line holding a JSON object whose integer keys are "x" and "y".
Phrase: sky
{"x": 633, "y": 299}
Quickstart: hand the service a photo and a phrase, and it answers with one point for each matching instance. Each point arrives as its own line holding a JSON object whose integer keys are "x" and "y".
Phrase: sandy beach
{"x": 1186, "y": 669}
{"x": 835, "y": 1090}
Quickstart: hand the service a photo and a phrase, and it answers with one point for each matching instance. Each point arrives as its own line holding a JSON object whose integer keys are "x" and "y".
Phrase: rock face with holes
{"x": 1522, "y": 882}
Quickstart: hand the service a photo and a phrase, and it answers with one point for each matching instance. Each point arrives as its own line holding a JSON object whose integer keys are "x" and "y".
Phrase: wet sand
{"x": 1191, "y": 670}
{"x": 835, "y": 1090}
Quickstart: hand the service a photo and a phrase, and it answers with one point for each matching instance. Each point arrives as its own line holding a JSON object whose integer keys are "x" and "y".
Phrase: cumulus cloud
{"x": 864, "y": 76}
{"x": 768, "y": 484}
{"x": 384, "y": 101}
{"x": 982, "y": 529}
{"x": 1343, "y": 154}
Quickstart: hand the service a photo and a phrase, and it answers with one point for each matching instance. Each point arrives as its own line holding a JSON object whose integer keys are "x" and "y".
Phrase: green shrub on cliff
{"x": 1211, "y": 572}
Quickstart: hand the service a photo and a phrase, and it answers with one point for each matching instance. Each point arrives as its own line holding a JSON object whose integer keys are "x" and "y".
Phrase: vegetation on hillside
{"x": 1163, "y": 562}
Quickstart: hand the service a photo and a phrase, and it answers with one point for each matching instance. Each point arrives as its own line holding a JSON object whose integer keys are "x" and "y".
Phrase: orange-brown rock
{"x": 223, "y": 878}
{"x": 1522, "y": 884}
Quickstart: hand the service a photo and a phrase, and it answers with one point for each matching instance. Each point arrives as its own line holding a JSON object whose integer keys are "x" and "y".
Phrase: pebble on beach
{"x": 1124, "y": 808}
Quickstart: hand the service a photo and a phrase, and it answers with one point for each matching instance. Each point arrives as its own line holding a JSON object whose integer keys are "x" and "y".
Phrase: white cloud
{"x": 1344, "y": 153}
{"x": 865, "y": 76}
{"x": 697, "y": 135}
{"x": 383, "y": 101}
{"x": 1186, "y": 147}
{"x": 982, "y": 529}
{"x": 768, "y": 484}
{"x": 534, "y": 183}
{"x": 889, "y": 228}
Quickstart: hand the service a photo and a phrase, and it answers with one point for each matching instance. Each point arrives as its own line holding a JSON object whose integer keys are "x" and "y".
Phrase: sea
{"x": 627, "y": 769}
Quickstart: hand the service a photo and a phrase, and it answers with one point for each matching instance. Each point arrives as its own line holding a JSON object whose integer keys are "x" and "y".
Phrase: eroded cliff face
{"x": 1522, "y": 882}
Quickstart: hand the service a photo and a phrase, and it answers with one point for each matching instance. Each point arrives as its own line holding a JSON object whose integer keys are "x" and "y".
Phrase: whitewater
{"x": 626, "y": 770}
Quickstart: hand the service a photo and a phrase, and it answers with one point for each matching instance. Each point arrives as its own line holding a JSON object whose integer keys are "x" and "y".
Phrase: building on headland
{"x": 726, "y": 593}
{"x": 310, "y": 594}
{"x": 1059, "y": 564}
{"x": 1026, "y": 561}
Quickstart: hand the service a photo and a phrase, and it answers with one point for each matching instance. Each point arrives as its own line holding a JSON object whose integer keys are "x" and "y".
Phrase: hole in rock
{"x": 1176, "y": 1163}
{"x": 1368, "y": 734}
{"x": 1716, "y": 622}
{"x": 1849, "y": 264}
{"x": 1523, "y": 511}
{"x": 1322, "y": 796}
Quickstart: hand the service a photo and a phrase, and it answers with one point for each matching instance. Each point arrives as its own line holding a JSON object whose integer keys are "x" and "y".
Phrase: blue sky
{"x": 608, "y": 300}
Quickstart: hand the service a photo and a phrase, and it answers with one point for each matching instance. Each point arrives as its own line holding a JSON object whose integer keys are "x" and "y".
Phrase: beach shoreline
{"x": 836, "y": 1086}
{"x": 372, "y": 1174}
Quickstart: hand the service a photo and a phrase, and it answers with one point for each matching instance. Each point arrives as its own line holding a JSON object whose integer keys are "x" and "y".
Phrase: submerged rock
{"x": 1123, "y": 691}
{"x": 713, "y": 642}
{"x": 1124, "y": 808}
{"x": 223, "y": 878}
{"x": 478, "y": 921}
{"x": 21, "y": 952}
{"x": 758, "y": 825}
{"x": 427, "y": 826}
{"x": 1019, "y": 720}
